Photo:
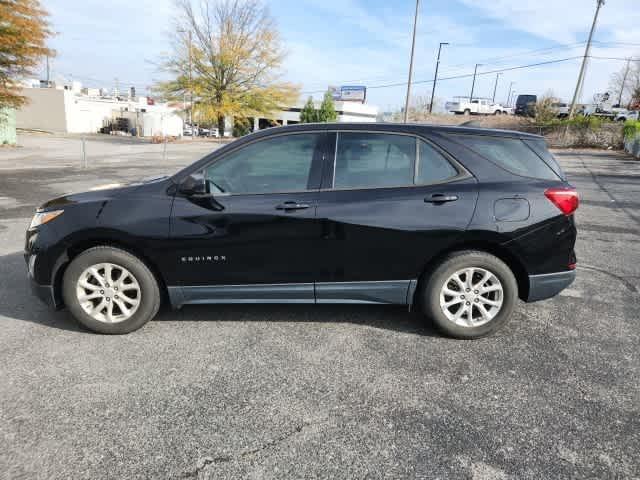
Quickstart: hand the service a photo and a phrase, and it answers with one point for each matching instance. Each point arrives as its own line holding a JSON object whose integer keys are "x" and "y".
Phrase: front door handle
{"x": 441, "y": 198}
{"x": 286, "y": 206}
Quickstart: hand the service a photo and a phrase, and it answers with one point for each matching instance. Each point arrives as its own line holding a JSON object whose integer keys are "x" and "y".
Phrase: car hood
{"x": 100, "y": 193}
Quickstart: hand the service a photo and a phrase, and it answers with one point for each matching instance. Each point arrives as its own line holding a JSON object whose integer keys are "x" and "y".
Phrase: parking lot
{"x": 295, "y": 391}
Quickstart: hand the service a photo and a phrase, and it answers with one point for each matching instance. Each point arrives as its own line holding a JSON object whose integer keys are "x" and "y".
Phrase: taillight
{"x": 566, "y": 199}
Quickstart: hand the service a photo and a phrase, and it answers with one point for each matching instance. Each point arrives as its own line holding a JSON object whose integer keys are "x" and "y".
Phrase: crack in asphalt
{"x": 615, "y": 203}
{"x": 204, "y": 462}
{"x": 630, "y": 286}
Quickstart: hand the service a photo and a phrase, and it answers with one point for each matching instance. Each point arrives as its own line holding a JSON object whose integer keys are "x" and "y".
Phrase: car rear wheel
{"x": 470, "y": 294}
{"x": 109, "y": 290}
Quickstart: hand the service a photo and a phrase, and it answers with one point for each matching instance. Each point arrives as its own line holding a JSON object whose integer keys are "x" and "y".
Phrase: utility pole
{"x": 435, "y": 77}
{"x": 624, "y": 81}
{"x": 495, "y": 87}
{"x": 509, "y": 95}
{"x": 473, "y": 85}
{"x": 48, "y": 72}
{"x": 584, "y": 60}
{"x": 413, "y": 46}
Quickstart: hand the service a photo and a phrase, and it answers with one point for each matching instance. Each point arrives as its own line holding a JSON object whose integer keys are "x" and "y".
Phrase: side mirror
{"x": 193, "y": 185}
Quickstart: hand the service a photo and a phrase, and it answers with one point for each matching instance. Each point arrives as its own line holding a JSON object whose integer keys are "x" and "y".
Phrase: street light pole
{"x": 473, "y": 85}
{"x": 413, "y": 46}
{"x": 495, "y": 87}
{"x": 190, "y": 88}
{"x": 584, "y": 60}
{"x": 435, "y": 77}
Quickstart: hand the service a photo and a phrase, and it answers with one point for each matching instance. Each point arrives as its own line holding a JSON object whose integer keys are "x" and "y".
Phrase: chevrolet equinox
{"x": 459, "y": 222}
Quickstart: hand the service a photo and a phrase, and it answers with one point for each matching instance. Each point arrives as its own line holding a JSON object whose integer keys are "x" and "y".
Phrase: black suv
{"x": 459, "y": 222}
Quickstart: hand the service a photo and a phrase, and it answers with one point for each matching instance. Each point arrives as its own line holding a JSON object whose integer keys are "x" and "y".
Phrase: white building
{"x": 70, "y": 111}
{"x": 347, "y": 112}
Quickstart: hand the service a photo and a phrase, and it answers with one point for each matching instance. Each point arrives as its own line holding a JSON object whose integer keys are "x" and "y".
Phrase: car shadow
{"x": 18, "y": 302}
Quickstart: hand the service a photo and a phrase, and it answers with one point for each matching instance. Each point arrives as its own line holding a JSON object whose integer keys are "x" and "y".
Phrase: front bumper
{"x": 549, "y": 285}
{"x": 44, "y": 293}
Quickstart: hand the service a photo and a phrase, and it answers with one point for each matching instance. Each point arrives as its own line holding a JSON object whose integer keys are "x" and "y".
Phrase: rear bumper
{"x": 549, "y": 285}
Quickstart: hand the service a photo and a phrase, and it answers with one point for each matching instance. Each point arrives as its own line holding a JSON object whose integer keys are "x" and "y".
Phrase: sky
{"x": 368, "y": 42}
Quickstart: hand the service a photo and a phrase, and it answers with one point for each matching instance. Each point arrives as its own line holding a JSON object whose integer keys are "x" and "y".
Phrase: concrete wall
{"x": 45, "y": 110}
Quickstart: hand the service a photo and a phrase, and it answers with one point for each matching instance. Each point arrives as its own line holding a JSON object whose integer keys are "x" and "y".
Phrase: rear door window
{"x": 370, "y": 160}
{"x": 512, "y": 154}
{"x": 432, "y": 166}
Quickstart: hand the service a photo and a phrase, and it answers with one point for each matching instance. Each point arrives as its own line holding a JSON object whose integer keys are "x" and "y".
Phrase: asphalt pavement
{"x": 298, "y": 391}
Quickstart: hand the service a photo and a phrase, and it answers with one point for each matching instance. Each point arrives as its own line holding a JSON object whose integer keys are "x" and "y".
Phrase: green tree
{"x": 24, "y": 30}
{"x": 226, "y": 58}
{"x": 327, "y": 112}
{"x": 309, "y": 114}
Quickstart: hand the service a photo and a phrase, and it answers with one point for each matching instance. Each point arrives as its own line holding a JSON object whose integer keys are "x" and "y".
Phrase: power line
{"x": 467, "y": 75}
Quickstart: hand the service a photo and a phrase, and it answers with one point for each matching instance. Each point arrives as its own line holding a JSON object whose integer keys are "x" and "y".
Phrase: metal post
{"x": 624, "y": 81}
{"x": 164, "y": 149}
{"x": 435, "y": 77}
{"x": 413, "y": 46}
{"x": 473, "y": 85}
{"x": 584, "y": 60}
{"x": 495, "y": 87}
{"x": 84, "y": 153}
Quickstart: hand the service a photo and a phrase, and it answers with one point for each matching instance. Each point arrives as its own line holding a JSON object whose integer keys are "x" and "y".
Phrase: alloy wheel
{"x": 108, "y": 292}
{"x": 471, "y": 297}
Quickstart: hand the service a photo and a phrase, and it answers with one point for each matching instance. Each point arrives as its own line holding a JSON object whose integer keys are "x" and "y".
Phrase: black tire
{"x": 438, "y": 276}
{"x": 149, "y": 291}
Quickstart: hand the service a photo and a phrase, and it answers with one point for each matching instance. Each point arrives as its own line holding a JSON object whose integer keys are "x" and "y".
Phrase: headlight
{"x": 40, "y": 218}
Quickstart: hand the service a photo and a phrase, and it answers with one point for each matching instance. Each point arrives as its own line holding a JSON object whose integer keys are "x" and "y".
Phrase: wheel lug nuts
{"x": 108, "y": 299}
{"x": 476, "y": 300}
{"x": 462, "y": 296}
{"x": 107, "y": 285}
{"x": 468, "y": 290}
{"x": 101, "y": 292}
{"x": 116, "y": 297}
{"x": 476, "y": 292}
{"x": 468, "y": 303}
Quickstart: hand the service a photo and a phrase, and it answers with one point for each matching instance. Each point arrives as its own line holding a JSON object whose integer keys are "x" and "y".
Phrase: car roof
{"x": 412, "y": 128}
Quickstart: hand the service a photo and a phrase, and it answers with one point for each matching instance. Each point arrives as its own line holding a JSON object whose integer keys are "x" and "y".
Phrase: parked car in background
{"x": 187, "y": 130}
{"x": 477, "y": 106}
{"x": 561, "y": 109}
{"x": 526, "y": 105}
{"x": 458, "y": 222}
{"x": 628, "y": 115}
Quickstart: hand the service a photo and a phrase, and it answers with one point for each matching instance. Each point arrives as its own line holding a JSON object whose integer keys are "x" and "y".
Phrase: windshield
{"x": 524, "y": 99}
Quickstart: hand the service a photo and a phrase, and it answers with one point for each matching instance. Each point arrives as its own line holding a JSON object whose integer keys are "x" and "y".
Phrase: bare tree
{"x": 627, "y": 82}
{"x": 226, "y": 57}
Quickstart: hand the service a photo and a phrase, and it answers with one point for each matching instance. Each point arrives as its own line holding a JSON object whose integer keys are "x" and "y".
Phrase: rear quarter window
{"x": 540, "y": 147}
{"x": 511, "y": 154}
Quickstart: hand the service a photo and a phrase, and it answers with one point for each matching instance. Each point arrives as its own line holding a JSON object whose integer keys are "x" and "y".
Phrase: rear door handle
{"x": 441, "y": 198}
{"x": 286, "y": 206}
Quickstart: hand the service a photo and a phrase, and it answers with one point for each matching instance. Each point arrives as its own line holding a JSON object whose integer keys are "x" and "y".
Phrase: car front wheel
{"x": 109, "y": 290}
{"x": 470, "y": 294}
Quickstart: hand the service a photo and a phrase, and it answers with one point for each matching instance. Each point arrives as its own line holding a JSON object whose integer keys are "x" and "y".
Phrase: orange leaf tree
{"x": 24, "y": 30}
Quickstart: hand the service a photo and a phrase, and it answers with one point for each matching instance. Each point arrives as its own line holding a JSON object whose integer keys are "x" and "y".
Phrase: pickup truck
{"x": 477, "y": 106}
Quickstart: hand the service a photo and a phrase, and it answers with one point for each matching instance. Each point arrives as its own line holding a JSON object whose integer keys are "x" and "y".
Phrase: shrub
{"x": 631, "y": 129}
